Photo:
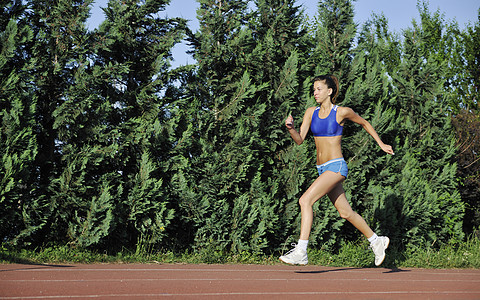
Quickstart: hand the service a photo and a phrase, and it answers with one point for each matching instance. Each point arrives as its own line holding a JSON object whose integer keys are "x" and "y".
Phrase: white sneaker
{"x": 379, "y": 249}
{"x": 295, "y": 256}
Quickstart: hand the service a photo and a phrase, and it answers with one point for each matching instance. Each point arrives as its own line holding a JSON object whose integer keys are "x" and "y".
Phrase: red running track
{"x": 178, "y": 281}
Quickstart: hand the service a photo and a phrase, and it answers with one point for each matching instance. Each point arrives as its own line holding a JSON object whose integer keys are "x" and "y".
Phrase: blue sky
{"x": 398, "y": 13}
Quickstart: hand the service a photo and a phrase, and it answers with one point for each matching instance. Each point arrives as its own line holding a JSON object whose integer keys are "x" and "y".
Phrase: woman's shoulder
{"x": 310, "y": 110}
{"x": 345, "y": 113}
{"x": 343, "y": 110}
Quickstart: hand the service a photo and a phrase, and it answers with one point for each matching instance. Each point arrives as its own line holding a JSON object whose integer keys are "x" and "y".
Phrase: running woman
{"x": 326, "y": 123}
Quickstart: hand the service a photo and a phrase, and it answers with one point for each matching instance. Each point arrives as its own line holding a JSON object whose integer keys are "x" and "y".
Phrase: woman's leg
{"x": 378, "y": 244}
{"x": 337, "y": 196}
{"x": 319, "y": 188}
{"x": 331, "y": 183}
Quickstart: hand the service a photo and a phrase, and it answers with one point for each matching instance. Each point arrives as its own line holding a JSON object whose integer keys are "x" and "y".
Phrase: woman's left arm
{"x": 349, "y": 114}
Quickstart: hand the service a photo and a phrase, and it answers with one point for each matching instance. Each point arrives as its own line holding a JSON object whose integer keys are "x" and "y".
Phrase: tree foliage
{"x": 104, "y": 145}
{"x": 97, "y": 99}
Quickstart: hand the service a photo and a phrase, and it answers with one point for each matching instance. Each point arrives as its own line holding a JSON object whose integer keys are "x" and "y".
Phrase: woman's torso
{"x": 327, "y": 130}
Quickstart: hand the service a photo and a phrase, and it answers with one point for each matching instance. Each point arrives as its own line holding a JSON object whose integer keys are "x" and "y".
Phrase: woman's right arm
{"x": 299, "y": 136}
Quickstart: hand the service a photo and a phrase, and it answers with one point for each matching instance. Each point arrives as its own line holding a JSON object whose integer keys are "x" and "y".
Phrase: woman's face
{"x": 321, "y": 92}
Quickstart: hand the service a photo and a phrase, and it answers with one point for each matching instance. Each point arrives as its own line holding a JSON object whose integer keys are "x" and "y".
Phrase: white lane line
{"x": 239, "y": 279}
{"x": 391, "y": 293}
{"x": 298, "y": 271}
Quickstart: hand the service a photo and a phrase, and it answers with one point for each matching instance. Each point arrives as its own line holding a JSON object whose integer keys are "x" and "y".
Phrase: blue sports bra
{"x": 328, "y": 126}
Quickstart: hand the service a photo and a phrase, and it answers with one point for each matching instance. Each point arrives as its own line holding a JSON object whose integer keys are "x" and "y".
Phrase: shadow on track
{"x": 393, "y": 270}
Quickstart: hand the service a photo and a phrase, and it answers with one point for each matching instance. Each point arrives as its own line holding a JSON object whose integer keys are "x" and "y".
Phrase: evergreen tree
{"x": 278, "y": 63}
{"x": 57, "y": 37}
{"x": 471, "y": 84}
{"x": 101, "y": 147}
{"x": 415, "y": 198}
{"x": 332, "y": 55}
{"x": 111, "y": 128}
{"x": 402, "y": 198}
{"x": 334, "y": 39}
{"x": 17, "y": 140}
{"x": 370, "y": 95}
{"x": 233, "y": 180}
{"x": 459, "y": 51}
{"x": 214, "y": 163}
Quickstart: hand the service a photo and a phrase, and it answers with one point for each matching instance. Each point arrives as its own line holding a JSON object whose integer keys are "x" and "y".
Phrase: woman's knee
{"x": 347, "y": 214}
{"x": 302, "y": 202}
{"x": 305, "y": 202}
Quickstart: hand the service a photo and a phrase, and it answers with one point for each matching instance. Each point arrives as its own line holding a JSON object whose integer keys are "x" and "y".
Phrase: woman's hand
{"x": 289, "y": 122}
{"x": 387, "y": 148}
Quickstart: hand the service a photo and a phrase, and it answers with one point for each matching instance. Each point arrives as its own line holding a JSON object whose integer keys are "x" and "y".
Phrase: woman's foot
{"x": 296, "y": 256}
{"x": 379, "y": 247}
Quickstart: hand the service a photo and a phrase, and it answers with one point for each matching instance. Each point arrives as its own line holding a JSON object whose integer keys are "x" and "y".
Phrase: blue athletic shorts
{"x": 337, "y": 165}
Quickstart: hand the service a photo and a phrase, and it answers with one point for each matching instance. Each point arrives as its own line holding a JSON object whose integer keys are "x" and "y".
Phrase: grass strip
{"x": 353, "y": 254}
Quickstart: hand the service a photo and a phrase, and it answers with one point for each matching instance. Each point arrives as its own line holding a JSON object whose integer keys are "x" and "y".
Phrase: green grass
{"x": 464, "y": 255}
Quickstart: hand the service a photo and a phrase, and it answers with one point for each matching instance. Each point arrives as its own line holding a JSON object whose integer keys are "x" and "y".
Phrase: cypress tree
{"x": 98, "y": 145}
{"x": 332, "y": 55}
{"x": 112, "y": 127}
{"x": 278, "y": 63}
{"x": 334, "y": 39}
{"x": 369, "y": 94}
{"x": 17, "y": 140}
{"x": 57, "y": 37}
{"x": 233, "y": 179}
{"x": 419, "y": 200}
{"x": 211, "y": 175}
{"x": 399, "y": 196}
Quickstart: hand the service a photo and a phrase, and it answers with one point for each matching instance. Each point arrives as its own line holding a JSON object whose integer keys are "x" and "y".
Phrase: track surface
{"x": 177, "y": 281}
